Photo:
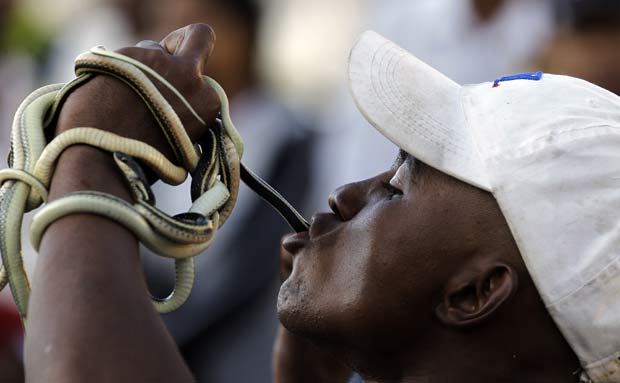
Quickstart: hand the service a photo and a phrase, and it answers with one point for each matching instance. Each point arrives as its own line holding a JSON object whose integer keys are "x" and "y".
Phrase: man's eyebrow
{"x": 414, "y": 165}
{"x": 403, "y": 157}
{"x": 400, "y": 159}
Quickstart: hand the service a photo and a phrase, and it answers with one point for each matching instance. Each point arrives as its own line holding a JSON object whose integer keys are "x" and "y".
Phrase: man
{"x": 487, "y": 257}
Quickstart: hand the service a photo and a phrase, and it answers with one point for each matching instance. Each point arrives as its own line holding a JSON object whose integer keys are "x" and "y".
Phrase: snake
{"x": 213, "y": 162}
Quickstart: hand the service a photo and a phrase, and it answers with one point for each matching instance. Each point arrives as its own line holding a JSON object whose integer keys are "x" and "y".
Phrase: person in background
{"x": 225, "y": 324}
{"x": 586, "y": 45}
{"x": 11, "y": 339}
{"x": 23, "y": 47}
{"x": 112, "y": 24}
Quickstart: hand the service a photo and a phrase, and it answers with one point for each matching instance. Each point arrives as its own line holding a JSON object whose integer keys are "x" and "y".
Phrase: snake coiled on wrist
{"x": 214, "y": 164}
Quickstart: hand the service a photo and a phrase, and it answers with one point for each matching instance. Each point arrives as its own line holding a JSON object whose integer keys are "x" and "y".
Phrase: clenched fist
{"x": 109, "y": 104}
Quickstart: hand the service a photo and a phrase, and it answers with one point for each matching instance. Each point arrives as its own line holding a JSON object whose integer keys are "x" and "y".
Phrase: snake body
{"x": 214, "y": 164}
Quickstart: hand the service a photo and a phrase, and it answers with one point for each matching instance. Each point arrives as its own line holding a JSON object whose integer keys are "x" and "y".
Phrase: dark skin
{"x": 90, "y": 317}
{"x": 419, "y": 281}
{"x": 416, "y": 278}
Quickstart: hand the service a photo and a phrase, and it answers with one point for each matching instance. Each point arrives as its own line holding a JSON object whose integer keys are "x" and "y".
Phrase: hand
{"x": 89, "y": 265}
{"x": 296, "y": 359}
{"x": 109, "y": 104}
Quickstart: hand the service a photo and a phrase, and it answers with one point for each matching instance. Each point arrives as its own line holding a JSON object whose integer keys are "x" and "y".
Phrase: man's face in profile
{"x": 372, "y": 273}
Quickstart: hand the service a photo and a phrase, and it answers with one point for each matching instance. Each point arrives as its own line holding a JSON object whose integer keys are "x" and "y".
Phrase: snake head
{"x": 135, "y": 178}
{"x": 9, "y": 159}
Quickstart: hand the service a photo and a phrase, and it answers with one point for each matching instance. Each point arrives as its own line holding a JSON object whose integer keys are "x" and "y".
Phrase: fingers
{"x": 181, "y": 59}
{"x": 172, "y": 42}
{"x": 194, "y": 42}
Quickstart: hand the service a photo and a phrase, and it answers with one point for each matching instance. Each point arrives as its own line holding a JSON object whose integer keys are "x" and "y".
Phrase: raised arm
{"x": 90, "y": 316}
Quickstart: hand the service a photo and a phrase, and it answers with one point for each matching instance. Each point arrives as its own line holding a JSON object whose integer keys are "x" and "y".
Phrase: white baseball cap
{"x": 547, "y": 147}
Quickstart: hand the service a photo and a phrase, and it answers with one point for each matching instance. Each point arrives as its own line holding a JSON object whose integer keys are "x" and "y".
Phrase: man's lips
{"x": 322, "y": 223}
{"x": 295, "y": 241}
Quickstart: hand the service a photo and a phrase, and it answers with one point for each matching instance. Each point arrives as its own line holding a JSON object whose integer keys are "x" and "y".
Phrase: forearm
{"x": 90, "y": 317}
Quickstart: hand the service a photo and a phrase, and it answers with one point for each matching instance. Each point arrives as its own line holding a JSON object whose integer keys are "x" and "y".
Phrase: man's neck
{"x": 449, "y": 359}
{"x": 538, "y": 372}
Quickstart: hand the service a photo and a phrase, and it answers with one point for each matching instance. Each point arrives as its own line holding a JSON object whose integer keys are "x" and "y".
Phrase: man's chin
{"x": 293, "y": 311}
{"x": 300, "y": 311}
{"x": 287, "y": 303}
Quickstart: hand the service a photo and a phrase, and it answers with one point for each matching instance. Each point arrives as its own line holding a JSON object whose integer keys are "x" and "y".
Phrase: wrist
{"x": 83, "y": 167}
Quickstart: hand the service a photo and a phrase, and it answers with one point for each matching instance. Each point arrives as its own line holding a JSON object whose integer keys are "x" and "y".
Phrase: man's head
{"x": 383, "y": 257}
{"x": 410, "y": 263}
{"x": 445, "y": 258}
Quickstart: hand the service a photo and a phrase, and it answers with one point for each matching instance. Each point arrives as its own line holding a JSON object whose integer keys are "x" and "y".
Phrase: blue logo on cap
{"x": 535, "y": 76}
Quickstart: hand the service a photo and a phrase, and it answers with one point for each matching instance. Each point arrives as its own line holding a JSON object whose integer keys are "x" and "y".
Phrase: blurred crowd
{"x": 283, "y": 65}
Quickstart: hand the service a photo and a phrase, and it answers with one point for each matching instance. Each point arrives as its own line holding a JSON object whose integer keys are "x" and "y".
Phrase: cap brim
{"x": 415, "y": 107}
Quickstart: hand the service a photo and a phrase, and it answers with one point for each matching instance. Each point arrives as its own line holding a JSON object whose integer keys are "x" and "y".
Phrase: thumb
{"x": 194, "y": 42}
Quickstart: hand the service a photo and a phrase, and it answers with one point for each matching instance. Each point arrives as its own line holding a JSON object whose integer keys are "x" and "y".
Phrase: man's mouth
{"x": 295, "y": 241}
{"x": 322, "y": 223}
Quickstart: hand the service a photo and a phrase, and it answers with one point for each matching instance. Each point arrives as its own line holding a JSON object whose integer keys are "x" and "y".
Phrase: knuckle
{"x": 172, "y": 41}
{"x": 151, "y": 57}
{"x": 154, "y": 55}
{"x": 212, "y": 103}
{"x": 202, "y": 29}
{"x": 133, "y": 52}
{"x": 147, "y": 44}
{"x": 201, "y": 97}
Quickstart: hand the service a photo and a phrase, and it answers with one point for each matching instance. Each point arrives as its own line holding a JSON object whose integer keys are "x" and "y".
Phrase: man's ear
{"x": 476, "y": 294}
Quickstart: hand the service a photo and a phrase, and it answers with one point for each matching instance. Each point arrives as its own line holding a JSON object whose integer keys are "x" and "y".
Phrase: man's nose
{"x": 347, "y": 200}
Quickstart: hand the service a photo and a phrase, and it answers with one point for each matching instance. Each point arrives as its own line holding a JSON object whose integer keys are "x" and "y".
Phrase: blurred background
{"x": 283, "y": 64}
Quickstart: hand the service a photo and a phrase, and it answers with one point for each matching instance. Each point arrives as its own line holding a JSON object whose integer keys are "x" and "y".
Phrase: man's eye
{"x": 392, "y": 191}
